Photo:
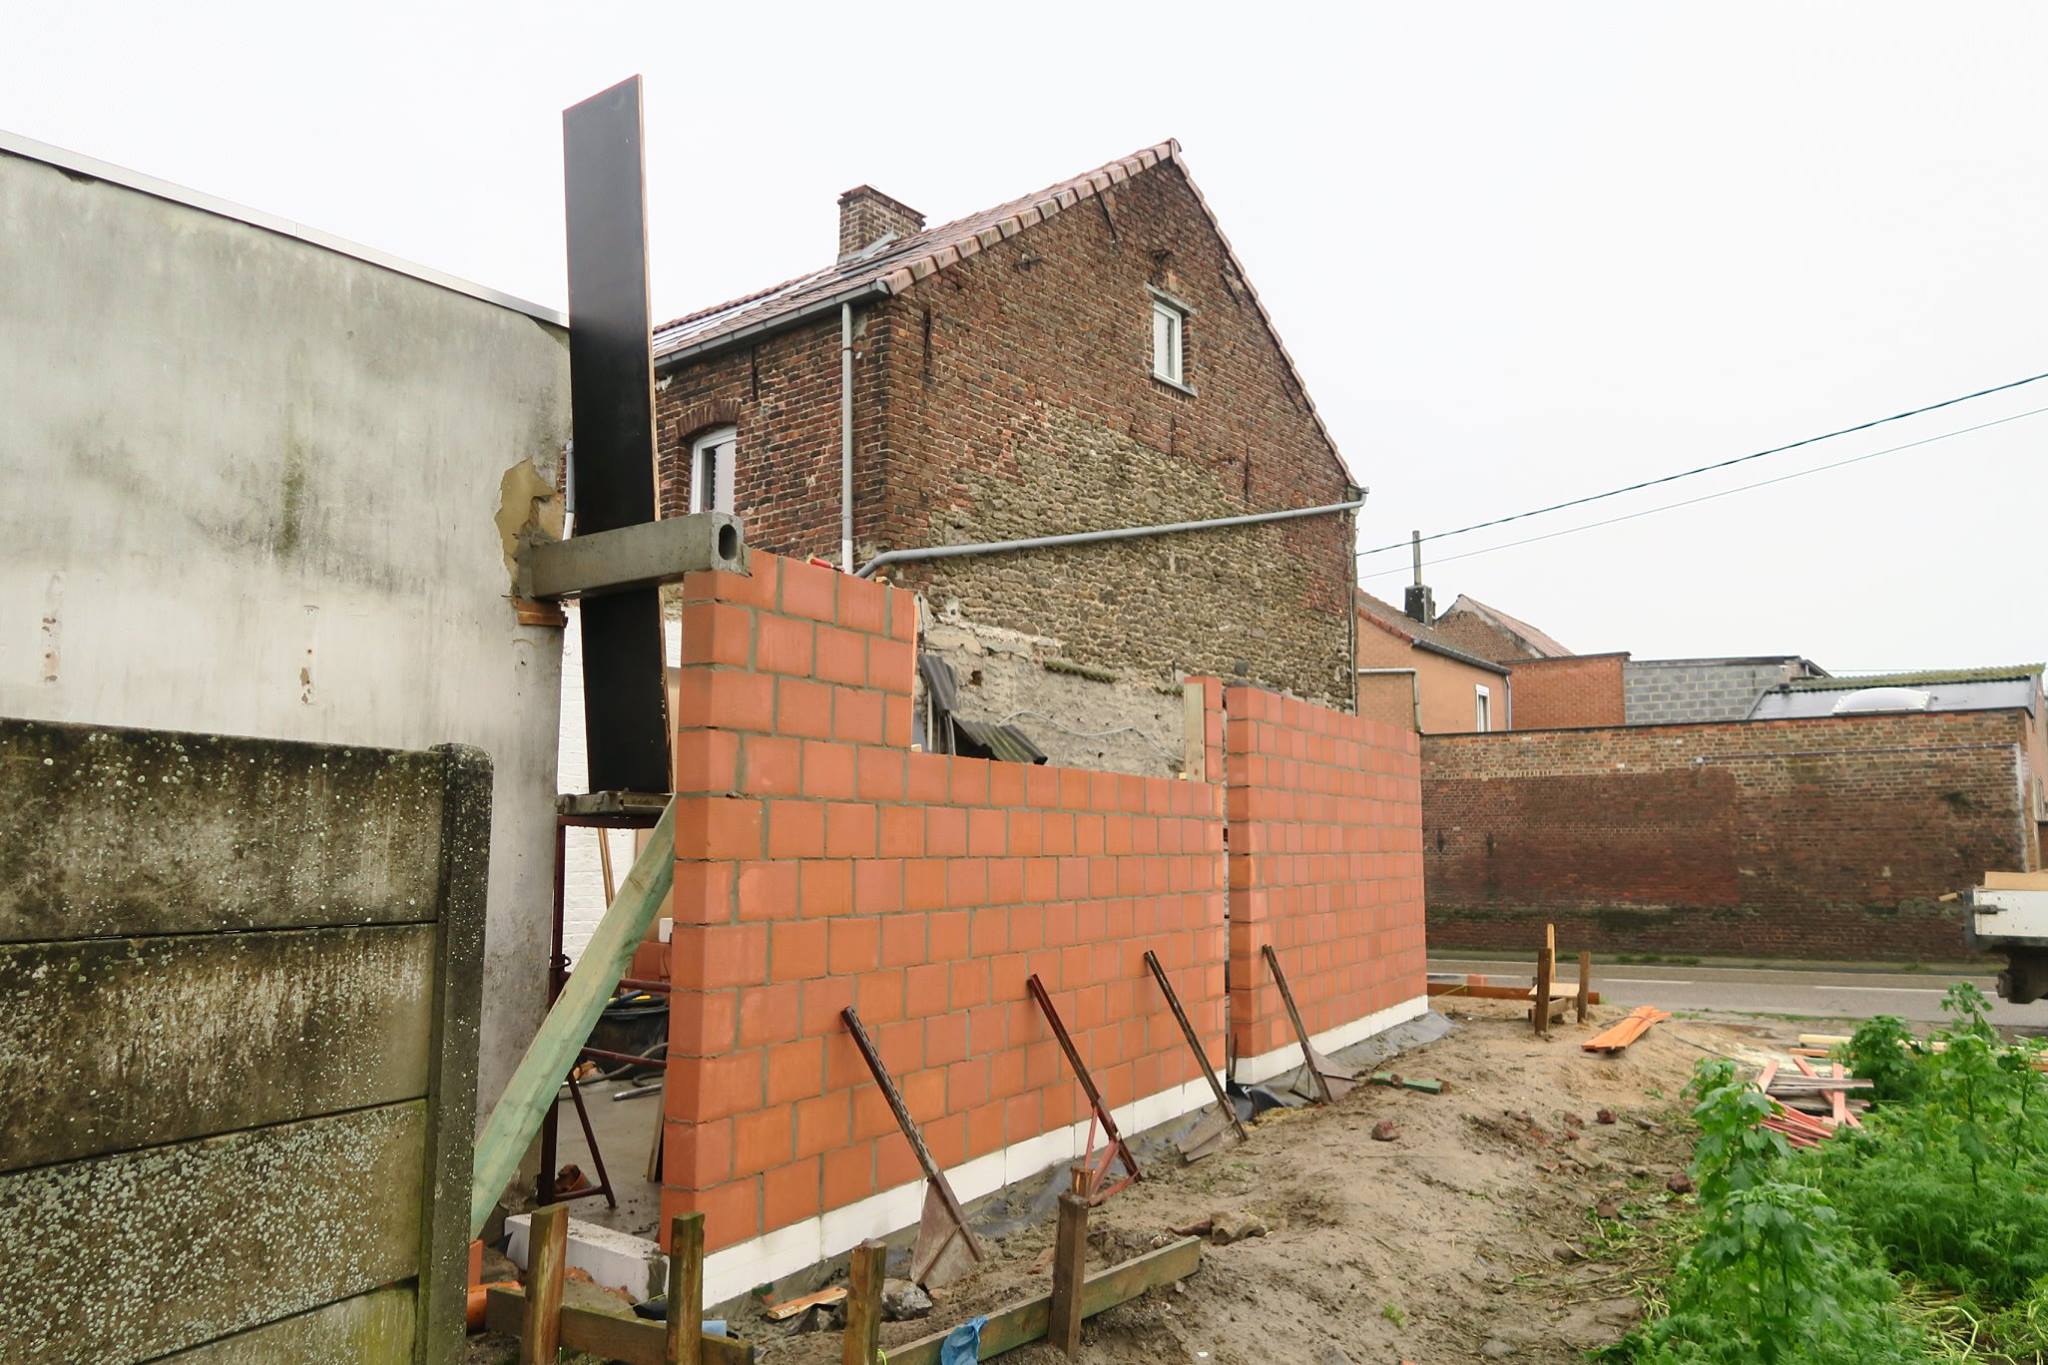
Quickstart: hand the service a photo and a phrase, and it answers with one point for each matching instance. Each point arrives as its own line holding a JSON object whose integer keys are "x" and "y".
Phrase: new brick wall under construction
{"x": 821, "y": 863}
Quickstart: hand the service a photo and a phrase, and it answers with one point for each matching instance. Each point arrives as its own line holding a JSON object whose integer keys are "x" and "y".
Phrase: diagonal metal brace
{"x": 1115, "y": 1147}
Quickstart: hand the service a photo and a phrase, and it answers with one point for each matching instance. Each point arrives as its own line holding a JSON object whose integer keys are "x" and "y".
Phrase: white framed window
{"x": 1482, "y": 707}
{"x": 711, "y": 469}
{"x": 1169, "y": 341}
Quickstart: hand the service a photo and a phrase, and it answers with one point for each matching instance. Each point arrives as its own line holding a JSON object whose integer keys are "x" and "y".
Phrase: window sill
{"x": 1174, "y": 384}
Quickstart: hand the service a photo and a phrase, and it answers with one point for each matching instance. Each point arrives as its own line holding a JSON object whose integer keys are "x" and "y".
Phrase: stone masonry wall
{"x": 1823, "y": 838}
{"x": 1665, "y": 691}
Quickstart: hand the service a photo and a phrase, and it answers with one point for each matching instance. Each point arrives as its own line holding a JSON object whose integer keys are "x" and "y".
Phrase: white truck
{"x": 2009, "y": 915}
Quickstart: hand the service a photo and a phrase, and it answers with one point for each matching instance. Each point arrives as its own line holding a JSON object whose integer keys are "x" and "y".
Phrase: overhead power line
{"x": 1710, "y": 468}
{"x": 1725, "y": 492}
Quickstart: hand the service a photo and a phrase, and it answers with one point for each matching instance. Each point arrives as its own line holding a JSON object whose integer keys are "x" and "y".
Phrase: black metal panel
{"x": 611, "y": 379}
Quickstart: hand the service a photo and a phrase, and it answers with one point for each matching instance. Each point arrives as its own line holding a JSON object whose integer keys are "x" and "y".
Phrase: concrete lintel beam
{"x": 638, "y": 556}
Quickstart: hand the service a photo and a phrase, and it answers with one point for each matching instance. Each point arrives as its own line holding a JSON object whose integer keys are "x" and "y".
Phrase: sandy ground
{"x": 1504, "y": 1221}
{"x": 1473, "y": 1235}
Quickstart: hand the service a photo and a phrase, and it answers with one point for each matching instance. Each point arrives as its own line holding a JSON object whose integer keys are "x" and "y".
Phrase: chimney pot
{"x": 866, "y": 216}
{"x": 1421, "y": 604}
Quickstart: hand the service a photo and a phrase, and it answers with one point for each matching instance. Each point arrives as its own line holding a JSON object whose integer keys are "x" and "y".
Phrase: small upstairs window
{"x": 1169, "y": 341}
{"x": 1482, "y": 718}
{"x": 711, "y": 469}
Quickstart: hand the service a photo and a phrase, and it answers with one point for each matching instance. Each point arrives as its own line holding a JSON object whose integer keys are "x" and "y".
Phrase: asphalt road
{"x": 1792, "y": 992}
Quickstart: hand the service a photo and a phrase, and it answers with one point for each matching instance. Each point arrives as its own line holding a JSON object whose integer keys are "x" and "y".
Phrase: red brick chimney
{"x": 866, "y": 216}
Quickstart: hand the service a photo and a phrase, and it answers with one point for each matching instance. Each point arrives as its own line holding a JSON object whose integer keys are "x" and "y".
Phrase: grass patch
{"x": 1922, "y": 1236}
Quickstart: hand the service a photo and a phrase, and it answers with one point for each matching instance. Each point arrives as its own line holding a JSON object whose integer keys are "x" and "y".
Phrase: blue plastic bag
{"x": 962, "y": 1345}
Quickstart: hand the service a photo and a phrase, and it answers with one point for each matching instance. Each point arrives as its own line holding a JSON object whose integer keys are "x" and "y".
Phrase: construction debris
{"x": 789, "y": 1308}
{"x": 1617, "y": 1038}
{"x": 1395, "y": 1078}
{"x": 1386, "y": 1130}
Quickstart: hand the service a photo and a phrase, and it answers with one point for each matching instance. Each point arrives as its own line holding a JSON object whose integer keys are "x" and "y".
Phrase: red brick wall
{"x": 1825, "y": 838}
{"x": 1325, "y": 865}
{"x": 821, "y": 863}
{"x": 1576, "y": 691}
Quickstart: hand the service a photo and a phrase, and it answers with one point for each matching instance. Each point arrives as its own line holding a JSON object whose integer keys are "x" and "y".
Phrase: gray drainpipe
{"x": 994, "y": 547}
{"x": 846, "y": 437}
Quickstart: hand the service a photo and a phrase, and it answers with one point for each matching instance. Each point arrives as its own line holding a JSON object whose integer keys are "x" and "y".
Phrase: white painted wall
{"x": 248, "y": 485}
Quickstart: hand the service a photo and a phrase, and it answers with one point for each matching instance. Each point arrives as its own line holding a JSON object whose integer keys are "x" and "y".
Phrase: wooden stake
{"x": 1546, "y": 962}
{"x": 863, "y": 1304}
{"x": 1585, "y": 982}
{"x": 685, "y": 1344}
{"x": 540, "y": 1336}
{"x": 1069, "y": 1268}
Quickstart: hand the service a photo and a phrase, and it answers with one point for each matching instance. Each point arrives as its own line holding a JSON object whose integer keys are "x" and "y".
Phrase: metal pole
{"x": 991, "y": 547}
{"x": 846, "y": 438}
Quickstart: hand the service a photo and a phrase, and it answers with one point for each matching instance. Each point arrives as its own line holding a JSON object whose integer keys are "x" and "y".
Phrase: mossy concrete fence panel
{"x": 239, "y": 987}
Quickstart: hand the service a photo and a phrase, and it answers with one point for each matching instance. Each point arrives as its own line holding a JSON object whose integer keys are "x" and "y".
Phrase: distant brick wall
{"x": 1670, "y": 691}
{"x": 821, "y": 863}
{"x": 1325, "y": 865}
{"x": 1827, "y": 838}
{"x": 1574, "y": 691}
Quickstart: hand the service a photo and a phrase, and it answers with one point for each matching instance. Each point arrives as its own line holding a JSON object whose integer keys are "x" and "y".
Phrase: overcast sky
{"x": 1521, "y": 252}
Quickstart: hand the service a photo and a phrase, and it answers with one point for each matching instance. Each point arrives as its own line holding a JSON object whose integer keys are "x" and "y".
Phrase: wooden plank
{"x": 789, "y": 1308}
{"x": 683, "y": 1341}
{"x": 113, "y": 1044}
{"x": 1194, "y": 735}
{"x": 136, "y": 1255}
{"x": 863, "y": 1304}
{"x": 238, "y": 834}
{"x": 1023, "y": 1323}
{"x": 443, "y": 1317}
{"x": 1069, "y": 1270}
{"x": 517, "y": 1117}
{"x": 540, "y": 1332}
{"x": 370, "y": 1329}
{"x": 1490, "y": 991}
{"x": 2016, "y": 881}
{"x": 609, "y": 1336}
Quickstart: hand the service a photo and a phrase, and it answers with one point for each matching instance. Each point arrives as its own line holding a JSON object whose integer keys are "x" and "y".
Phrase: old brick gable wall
{"x": 1023, "y": 403}
{"x": 1574, "y": 691}
{"x": 1827, "y": 838}
{"x": 1011, "y": 395}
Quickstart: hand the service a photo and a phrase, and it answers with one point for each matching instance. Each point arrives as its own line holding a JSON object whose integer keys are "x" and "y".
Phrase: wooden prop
{"x": 610, "y": 1336}
{"x": 1069, "y": 1269}
{"x": 946, "y": 1247}
{"x": 1331, "y": 1081}
{"x": 1207, "y": 1136}
{"x": 517, "y": 1117}
{"x": 1585, "y": 984}
{"x": 540, "y": 1336}
{"x": 1023, "y": 1323}
{"x": 1480, "y": 988}
{"x": 1539, "y": 1012}
{"x": 683, "y": 1343}
{"x": 863, "y": 1304}
{"x": 1115, "y": 1147}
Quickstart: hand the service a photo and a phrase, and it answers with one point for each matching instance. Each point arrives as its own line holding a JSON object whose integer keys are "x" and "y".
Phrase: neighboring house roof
{"x": 1925, "y": 678}
{"x": 1394, "y": 621}
{"x": 1957, "y": 689}
{"x": 1534, "y": 640}
{"x": 1812, "y": 668}
{"x": 893, "y": 267}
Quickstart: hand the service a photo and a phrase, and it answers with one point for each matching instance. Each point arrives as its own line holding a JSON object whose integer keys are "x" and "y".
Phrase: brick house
{"x": 1491, "y": 633}
{"x": 1410, "y": 675}
{"x": 1088, "y": 357}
